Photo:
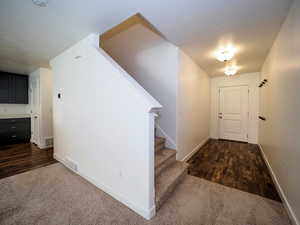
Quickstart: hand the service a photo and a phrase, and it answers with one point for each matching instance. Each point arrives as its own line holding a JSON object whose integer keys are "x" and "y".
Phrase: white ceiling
{"x": 30, "y": 35}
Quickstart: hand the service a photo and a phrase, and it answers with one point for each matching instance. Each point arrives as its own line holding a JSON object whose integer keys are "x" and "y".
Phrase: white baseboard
{"x": 45, "y": 146}
{"x": 59, "y": 158}
{"x": 146, "y": 213}
{"x": 170, "y": 143}
{"x": 286, "y": 204}
{"x": 188, "y": 156}
{"x": 252, "y": 141}
{"x": 41, "y": 144}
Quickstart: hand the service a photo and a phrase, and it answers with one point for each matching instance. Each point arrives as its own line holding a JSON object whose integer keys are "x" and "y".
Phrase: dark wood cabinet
{"x": 21, "y": 89}
{"x": 4, "y": 88}
{"x": 14, "y": 131}
{"x": 13, "y": 88}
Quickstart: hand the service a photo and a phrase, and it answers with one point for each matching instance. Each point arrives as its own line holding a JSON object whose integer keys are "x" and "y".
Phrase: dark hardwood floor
{"x": 234, "y": 164}
{"x": 20, "y": 158}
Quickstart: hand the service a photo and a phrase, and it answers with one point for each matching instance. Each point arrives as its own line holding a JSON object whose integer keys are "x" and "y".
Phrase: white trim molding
{"x": 42, "y": 144}
{"x": 286, "y": 204}
{"x": 196, "y": 149}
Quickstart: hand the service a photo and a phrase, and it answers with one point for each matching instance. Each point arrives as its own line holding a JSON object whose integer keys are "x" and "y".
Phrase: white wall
{"x": 280, "y": 104}
{"x": 103, "y": 124}
{"x": 193, "y": 107}
{"x": 252, "y": 81}
{"x": 46, "y": 90}
{"x": 153, "y": 62}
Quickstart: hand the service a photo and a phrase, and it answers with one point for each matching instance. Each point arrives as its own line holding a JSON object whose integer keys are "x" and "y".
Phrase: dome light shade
{"x": 231, "y": 70}
{"x": 226, "y": 54}
{"x": 40, "y": 3}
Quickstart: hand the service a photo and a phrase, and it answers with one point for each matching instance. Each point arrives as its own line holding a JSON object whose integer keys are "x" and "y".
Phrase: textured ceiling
{"x": 30, "y": 36}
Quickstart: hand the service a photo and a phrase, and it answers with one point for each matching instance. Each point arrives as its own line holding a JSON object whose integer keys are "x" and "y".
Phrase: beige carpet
{"x": 54, "y": 195}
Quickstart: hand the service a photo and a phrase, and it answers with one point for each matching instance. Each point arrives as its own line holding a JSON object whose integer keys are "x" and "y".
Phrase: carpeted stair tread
{"x": 166, "y": 182}
{"x": 159, "y": 141}
{"x": 164, "y": 159}
{"x": 159, "y": 147}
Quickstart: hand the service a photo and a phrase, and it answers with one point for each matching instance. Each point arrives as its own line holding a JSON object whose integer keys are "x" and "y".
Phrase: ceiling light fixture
{"x": 40, "y": 3}
{"x": 231, "y": 70}
{"x": 226, "y": 54}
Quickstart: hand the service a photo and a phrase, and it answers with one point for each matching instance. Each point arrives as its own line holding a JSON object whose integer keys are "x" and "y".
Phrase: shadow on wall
{"x": 152, "y": 61}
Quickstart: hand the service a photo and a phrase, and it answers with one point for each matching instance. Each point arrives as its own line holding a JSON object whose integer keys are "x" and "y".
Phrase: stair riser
{"x": 160, "y": 142}
{"x": 165, "y": 165}
{"x": 170, "y": 190}
{"x": 159, "y": 147}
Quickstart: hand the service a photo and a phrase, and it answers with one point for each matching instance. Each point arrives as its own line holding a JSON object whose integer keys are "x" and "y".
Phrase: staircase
{"x": 168, "y": 172}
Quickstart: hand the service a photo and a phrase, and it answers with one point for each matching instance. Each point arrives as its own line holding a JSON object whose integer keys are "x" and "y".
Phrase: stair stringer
{"x": 170, "y": 143}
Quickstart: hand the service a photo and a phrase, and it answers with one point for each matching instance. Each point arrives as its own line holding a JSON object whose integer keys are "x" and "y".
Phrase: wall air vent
{"x": 71, "y": 164}
{"x": 49, "y": 142}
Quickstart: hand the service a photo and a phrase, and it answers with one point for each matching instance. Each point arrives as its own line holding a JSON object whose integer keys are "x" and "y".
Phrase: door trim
{"x": 35, "y": 138}
{"x": 218, "y": 111}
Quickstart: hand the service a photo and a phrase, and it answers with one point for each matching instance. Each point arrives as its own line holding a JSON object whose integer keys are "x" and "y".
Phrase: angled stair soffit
{"x": 125, "y": 25}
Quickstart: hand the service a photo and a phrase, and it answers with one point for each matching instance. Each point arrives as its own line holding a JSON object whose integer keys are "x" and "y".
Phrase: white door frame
{"x": 35, "y": 116}
{"x": 218, "y": 106}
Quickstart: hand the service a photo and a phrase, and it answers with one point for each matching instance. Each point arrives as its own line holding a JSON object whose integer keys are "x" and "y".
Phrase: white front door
{"x": 233, "y": 113}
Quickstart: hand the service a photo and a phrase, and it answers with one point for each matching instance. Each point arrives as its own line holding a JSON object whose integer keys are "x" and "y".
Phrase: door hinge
{"x": 247, "y": 136}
